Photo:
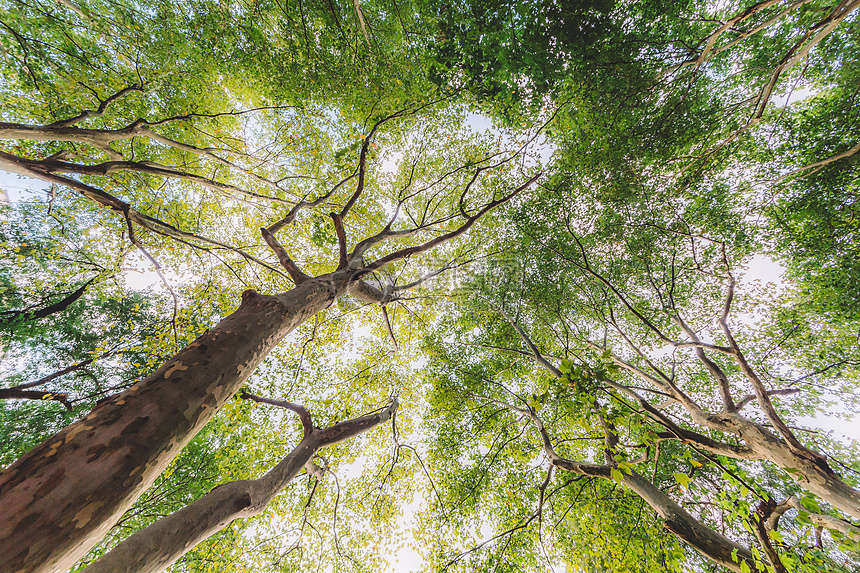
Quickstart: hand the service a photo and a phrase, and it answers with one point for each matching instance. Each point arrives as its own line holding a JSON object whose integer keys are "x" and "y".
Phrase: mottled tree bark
{"x": 807, "y": 468}
{"x": 154, "y": 548}
{"x": 61, "y": 498}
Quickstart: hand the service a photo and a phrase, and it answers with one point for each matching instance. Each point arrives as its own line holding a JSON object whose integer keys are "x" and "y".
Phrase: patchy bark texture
{"x": 62, "y": 497}
{"x": 808, "y": 468}
{"x": 155, "y": 548}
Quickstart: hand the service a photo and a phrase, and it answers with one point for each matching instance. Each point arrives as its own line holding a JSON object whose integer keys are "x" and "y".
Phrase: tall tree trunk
{"x": 156, "y": 547}
{"x": 61, "y": 498}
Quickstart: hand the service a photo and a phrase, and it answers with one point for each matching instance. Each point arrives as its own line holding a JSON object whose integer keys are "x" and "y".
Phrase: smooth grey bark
{"x": 61, "y": 498}
{"x": 156, "y": 547}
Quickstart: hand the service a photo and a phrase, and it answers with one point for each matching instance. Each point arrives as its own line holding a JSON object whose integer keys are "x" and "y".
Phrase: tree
{"x": 207, "y": 138}
{"x": 73, "y": 333}
{"x": 156, "y": 547}
{"x": 209, "y": 371}
{"x": 623, "y": 331}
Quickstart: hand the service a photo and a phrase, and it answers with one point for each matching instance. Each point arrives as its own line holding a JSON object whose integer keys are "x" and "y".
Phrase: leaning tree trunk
{"x": 61, "y": 498}
{"x": 712, "y": 544}
{"x": 708, "y": 542}
{"x": 807, "y": 468}
{"x": 156, "y": 547}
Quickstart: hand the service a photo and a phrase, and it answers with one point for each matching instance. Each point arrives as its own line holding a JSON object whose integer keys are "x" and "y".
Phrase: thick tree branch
{"x": 109, "y": 167}
{"x": 714, "y": 36}
{"x": 676, "y": 519}
{"x": 780, "y": 392}
{"x": 304, "y": 414}
{"x": 103, "y": 105}
{"x": 819, "y": 164}
{"x": 758, "y": 387}
{"x": 63, "y": 372}
{"x": 337, "y": 219}
{"x": 156, "y": 547}
{"x": 292, "y": 268}
{"x": 17, "y": 394}
{"x": 802, "y": 48}
{"x": 9, "y": 316}
{"x": 30, "y": 168}
{"x": 760, "y": 519}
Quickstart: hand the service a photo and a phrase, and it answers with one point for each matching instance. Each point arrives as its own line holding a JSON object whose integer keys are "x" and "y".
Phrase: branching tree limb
{"x": 155, "y": 548}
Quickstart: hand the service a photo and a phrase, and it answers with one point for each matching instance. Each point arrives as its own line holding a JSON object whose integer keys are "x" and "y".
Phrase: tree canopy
{"x": 449, "y": 286}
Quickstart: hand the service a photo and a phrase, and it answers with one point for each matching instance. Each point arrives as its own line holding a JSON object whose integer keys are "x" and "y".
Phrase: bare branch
{"x": 157, "y": 266}
{"x": 759, "y": 525}
{"x": 802, "y": 48}
{"x": 676, "y": 519}
{"x": 109, "y": 167}
{"x": 819, "y": 164}
{"x": 304, "y": 414}
{"x": 714, "y": 36}
{"x": 409, "y": 251}
{"x": 713, "y": 367}
{"x": 103, "y": 105}
{"x": 302, "y": 205}
{"x": 18, "y": 394}
{"x": 63, "y": 372}
{"x": 365, "y": 147}
{"x": 781, "y": 392}
{"x": 31, "y": 168}
{"x": 292, "y": 268}
{"x": 536, "y": 354}
{"x": 677, "y": 432}
{"x": 8, "y": 316}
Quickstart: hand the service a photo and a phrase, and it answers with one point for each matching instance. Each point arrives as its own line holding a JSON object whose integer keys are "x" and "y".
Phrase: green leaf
{"x": 810, "y": 503}
{"x": 682, "y": 479}
{"x": 626, "y": 467}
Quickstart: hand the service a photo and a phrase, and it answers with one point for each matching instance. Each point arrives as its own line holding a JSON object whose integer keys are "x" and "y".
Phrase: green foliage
{"x": 665, "y": 170}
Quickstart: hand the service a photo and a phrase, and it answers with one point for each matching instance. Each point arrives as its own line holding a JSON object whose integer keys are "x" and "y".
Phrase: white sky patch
{"x": 764, "y": 269}
{"x": 479, "y": 123}
{"x": 17, "y": 187}
{"x": 800, "y": 94}
{"x": 390, "y": 164}
{"x": 139, "y": 274}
